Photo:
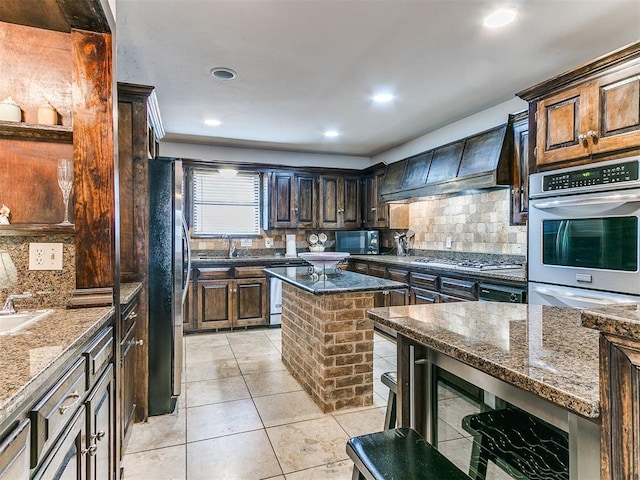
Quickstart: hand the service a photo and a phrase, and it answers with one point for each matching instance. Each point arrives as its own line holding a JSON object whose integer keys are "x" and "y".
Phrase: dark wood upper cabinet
{"x": 292, "y": 200}
{"x": 375, "y": 212}
{"x": 588, "y": 114}
{"x": 339, "y": 203}
{"x": 305, "y": 196}
{"x": 520, "y": 169}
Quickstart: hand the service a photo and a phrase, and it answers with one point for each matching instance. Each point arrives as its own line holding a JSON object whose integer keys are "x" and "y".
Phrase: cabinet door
{"x": 215, "y": 304}
{"x": 421, "y": 296}
{"x": 369, "y": 201}
{"x": 520, "y": 171}
{"x": 14, "y": 453}
{"x": 378, "y": 271}
{"x": 618, "y": 120}
{"x": 250, "y": 302}
{"x": 351, "y": 203}
{"x": 282, "y": 199}
{"x": 67, "y": 459}
{"x": 398, "y": 297}
{"x": 100, "y": 431}
{"x": 382, "y": 215}
{"x": 305, "y": 201}
{"x": 330, "y": 204}
{"x": 129, "y": 349}
{"x": 562, "y": 119}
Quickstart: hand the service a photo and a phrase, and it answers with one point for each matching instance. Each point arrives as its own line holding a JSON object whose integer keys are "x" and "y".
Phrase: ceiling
{"x": 305, "y": 66}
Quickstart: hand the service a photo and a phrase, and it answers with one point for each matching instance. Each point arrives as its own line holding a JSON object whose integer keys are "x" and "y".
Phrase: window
{"x": 228, "y": 206}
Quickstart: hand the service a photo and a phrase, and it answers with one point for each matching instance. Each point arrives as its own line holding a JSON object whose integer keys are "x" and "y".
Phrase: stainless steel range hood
{"x": 477, "y": 162}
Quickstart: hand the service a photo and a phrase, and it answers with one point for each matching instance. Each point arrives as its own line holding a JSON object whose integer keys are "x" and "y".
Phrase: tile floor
{"x": 242, "y": 416}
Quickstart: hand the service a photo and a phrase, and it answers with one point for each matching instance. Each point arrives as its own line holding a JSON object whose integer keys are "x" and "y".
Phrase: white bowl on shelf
{"x": 316, "y": 248}
{"x": 323, "y": 261}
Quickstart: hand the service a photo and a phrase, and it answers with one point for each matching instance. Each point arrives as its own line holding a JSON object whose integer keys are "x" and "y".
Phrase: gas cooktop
{"x": 473, "y": 265}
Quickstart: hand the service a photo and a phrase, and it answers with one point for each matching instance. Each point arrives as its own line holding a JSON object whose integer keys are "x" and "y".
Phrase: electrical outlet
{"x": 45, "y": 256}
{"x": 448, "y": 242}
{"x": 268, "y": 242}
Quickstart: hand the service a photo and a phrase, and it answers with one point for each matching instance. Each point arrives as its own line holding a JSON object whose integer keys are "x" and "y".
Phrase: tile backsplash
{"x": 477, "y": 222}
{"x": 49, "y": 287}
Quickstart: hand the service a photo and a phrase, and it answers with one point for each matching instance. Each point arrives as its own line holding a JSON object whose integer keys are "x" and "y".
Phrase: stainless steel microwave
{"x": 363, "y": 242}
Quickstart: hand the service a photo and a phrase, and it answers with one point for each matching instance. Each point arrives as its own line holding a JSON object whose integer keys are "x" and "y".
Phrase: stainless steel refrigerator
{"x": 167, "y": 278}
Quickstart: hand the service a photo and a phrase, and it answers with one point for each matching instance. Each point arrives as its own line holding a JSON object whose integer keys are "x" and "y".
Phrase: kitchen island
{"x": 538, "y": 358}
{"x": 327, "y": 339}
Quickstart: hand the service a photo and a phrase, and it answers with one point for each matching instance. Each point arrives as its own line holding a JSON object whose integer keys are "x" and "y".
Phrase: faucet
{"x": 9, "y": 308}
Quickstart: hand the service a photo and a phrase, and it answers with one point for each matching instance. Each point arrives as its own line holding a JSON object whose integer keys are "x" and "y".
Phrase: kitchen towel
{"x": 291, "y": 246}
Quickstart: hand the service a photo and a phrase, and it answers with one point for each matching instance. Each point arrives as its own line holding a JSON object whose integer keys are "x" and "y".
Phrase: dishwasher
{"x": 500, "y": 293}
{"x": 275, "y": 302}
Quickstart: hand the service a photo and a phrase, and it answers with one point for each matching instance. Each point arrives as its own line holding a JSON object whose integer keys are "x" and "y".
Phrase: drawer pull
{"x": 91, "y": 450}
{"x": 64, "y": 408}
{"x": 139, "y": 342}
{"x": 132, "y": 315}
{"x": 99, "y": 435}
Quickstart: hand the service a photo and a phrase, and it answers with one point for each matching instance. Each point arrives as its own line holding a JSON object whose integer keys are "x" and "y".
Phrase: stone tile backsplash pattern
{"x": 476, "y": 222}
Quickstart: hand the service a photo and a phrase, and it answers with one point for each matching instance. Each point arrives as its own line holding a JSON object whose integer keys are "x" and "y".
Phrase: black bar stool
{"x": 399, "y": 454}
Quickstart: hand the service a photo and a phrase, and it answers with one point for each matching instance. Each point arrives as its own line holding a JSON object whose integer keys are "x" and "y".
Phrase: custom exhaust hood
{"x": 477, "y": 162}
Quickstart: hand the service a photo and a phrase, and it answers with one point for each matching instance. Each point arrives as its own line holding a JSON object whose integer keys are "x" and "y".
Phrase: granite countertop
{"x": 621, "y": 320}
{"x": 128, "y": 291}
{"x": 542, "y": 349}
{"x": 29, "y": 357}
{"x": 511, "y": 275}
{"x": 341, "y": 282}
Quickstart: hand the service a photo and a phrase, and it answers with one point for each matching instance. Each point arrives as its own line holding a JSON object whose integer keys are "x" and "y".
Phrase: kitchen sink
{"x": 17, "y": 321}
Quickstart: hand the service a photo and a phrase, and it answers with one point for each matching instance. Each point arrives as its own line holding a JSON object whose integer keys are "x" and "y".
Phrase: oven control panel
{"x": 591, "y": 176}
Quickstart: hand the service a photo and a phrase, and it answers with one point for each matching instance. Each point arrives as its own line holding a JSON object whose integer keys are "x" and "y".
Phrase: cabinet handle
{"x": 592, "y": 134}
{"x": 373, "y": 209}
{"x": 582, "y": 138}
{"x": 91, "y": 450}
{"x": 99, "y": 435}
{"x": 139, "y": 342}
{"x": 341, "y": 210}
{"x": 132, "y": 315}
{"x": 64, "y": 408}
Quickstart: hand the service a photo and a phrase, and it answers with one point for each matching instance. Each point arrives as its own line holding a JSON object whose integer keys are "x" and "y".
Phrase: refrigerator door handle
{"x": 185, "y": 234}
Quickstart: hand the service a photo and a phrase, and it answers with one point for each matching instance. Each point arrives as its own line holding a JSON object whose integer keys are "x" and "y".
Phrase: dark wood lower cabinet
{"x": 129, "y": 349}
{"x": 232, "y": 303}
{"x": 100, "y": 428}
{"x": 421, "y": 296}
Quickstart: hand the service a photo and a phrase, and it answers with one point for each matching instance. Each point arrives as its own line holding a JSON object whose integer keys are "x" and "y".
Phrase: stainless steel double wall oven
{"x": 584, "y": 238}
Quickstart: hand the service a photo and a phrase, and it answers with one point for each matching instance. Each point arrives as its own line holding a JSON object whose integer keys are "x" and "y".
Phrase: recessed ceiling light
{"x": 500, "y": 17}
{"x": 212, "y": 122}
{"x": 223, "y": 73}
{"x": 383, "y": 97}
{"x": 331, "y": 133}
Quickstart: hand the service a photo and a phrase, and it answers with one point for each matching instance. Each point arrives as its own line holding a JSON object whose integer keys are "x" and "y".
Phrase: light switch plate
{"x": 448, "y": 242}
{"x": 45, "y": 256}
{"x": 246, "y": 242}
{"x": 268, "y": 242}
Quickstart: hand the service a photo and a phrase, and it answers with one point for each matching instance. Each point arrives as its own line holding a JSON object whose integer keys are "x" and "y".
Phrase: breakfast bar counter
{"x": 327, "y": 339}
{"x": 538, "y": 358}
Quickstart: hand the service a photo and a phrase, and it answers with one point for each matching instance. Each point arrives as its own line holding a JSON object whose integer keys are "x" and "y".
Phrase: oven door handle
{"x": 619, "y": 199}
{"x": 557, "y": 293}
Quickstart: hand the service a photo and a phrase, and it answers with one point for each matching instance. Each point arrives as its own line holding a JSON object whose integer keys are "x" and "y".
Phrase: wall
{"x": 476, "y": 222}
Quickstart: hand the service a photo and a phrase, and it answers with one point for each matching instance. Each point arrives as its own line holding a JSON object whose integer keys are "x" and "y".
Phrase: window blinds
{"x": 226, "y": 205}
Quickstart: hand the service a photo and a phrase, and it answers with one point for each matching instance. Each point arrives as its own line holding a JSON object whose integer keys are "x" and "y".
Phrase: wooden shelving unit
{"x": 31, "y": 131}
{"x": 36, "y": 229}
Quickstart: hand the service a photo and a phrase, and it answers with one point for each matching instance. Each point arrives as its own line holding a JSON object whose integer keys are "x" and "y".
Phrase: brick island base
{"x": 327, "y": 345}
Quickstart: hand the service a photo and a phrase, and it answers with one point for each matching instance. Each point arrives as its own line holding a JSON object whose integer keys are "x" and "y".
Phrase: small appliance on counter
{"x": 358, "y": 242}
{"x": 401, "y": 242}
{"x": 290, "y": 246}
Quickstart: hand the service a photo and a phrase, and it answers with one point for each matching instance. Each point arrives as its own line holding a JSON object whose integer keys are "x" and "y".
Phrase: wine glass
{"x": 65, "y": 182}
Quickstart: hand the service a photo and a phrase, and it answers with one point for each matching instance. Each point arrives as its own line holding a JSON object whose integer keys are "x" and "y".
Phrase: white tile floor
{"x": 244, "y": 417}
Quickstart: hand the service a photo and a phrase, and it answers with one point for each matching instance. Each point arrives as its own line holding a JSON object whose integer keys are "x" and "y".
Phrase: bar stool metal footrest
{"x": 390, "y": 380}
{"x": 399, "y": 454}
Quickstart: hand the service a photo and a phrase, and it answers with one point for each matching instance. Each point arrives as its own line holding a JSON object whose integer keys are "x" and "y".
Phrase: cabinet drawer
{"x": 377, "y": 271}
{"x": 459, "y": 288}
{"x": 360, "y": 267}
{"x": 398, "y": 275}
{"x": 250, "y": 272}
{"x": 98, "y": 354}
{"x": 214, "y": 273}
{"x": 14, "y": 453}
{"x": 56, "y": 408}
{"x": 424, "y": 280}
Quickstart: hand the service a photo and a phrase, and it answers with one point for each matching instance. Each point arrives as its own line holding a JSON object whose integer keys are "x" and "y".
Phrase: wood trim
{"x": 94, "y": 159}
{"x": 600, "y": 65}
